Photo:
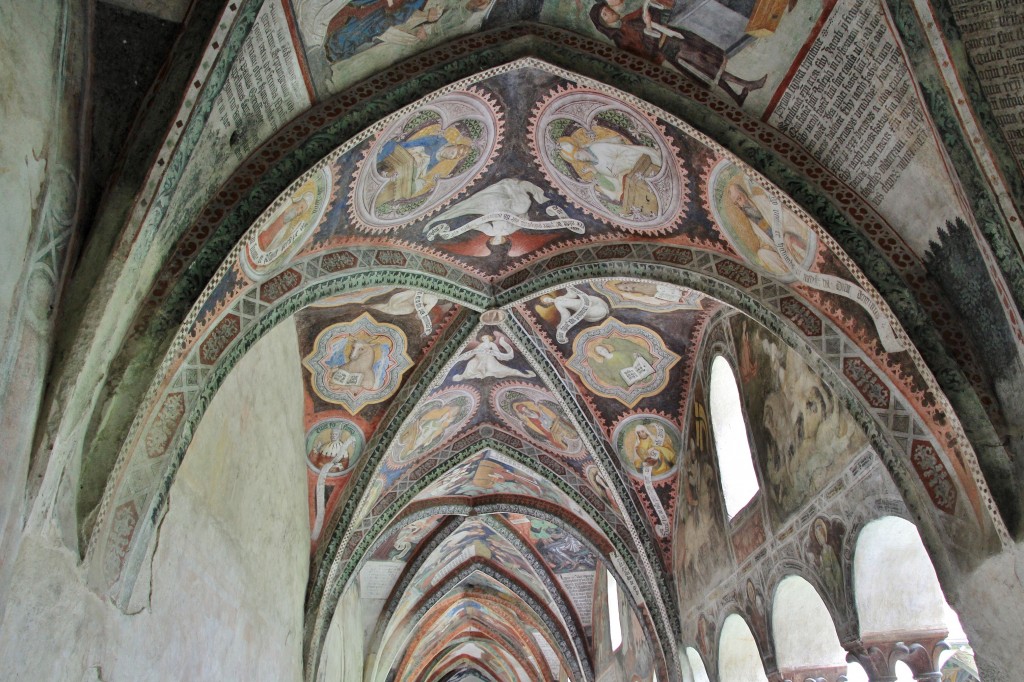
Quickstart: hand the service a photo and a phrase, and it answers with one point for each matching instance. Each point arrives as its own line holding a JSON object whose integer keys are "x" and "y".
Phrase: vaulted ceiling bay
{"x": 494, "y": 341}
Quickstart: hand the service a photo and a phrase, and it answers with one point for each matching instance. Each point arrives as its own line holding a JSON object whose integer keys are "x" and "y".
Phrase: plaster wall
{"x": 231, "y": 563}
{"x": 990, "y": 603}
{"x": 41, "y": 62}
{"x": 896, "y": 586}
{"x": 344, "y": 654}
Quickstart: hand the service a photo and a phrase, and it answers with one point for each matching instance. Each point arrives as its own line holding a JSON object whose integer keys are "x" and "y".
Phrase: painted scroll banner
{"x": 833, "y": 285}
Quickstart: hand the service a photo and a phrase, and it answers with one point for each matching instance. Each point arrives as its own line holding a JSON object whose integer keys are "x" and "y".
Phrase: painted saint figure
{"x": 647, "y": 32}
{"x": 649, "y": 450}
{"x": 619, "y": 168}
{"x": 546, "y": 423}
{"x": 749, "y": 214}
{"x": 414, "y": 165}
{"x": 278, "y": 234}
{"x": 336, "y": 453}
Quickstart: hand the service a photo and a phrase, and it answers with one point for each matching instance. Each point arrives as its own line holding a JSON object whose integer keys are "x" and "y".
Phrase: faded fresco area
{"x": 803, "y": 436}
{"x": 348, "y": 40}
{"x": 701, "y": 558}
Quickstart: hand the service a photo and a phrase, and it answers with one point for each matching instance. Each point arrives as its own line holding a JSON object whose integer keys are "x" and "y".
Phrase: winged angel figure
{"x": 485, "y": 359}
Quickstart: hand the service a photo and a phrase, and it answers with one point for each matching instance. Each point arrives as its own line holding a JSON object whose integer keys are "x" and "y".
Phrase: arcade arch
{"x": 487, "y": 322}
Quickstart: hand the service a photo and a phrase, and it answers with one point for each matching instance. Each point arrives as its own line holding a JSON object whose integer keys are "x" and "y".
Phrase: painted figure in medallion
{"x": 648, "y": 442}
{"x": 768, "y": 235}
{"x": 268, "y": 248}
{"x": 534, "y": 413}
{"x": 648, "y": 446}
{"x": 618, "y": 166}
{"x": 358, "y": 363}
{"x": 424, "y": 159}
{"x": 437, "y": 418}
{"x": 610, "y": 159}
{"x": 622, "y": 361}
{"x": 332, "y": 448}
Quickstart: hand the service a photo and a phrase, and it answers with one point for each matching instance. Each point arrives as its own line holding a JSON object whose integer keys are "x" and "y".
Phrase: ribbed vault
{"x": 502, "y": 292}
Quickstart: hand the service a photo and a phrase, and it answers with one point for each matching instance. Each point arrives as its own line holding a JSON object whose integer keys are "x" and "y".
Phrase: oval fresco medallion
{"x": 766, "y": 234}
{"x": 358, "y": 363}
{"x": 437, "y": 419}
{"x": 609, "y": 159}
{"x": 647, "y": 444}
{"x": 281, "y": 233}
{"x": 425, "y": 159}
{"x": 536, "y": 415}
{"x": 333, "y": 447}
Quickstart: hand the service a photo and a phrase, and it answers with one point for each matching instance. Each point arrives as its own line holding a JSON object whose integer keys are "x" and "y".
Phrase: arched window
{"x": 614, "y": 624}
{"x": 700, "y": 673}
{"x": 739, "y": 482}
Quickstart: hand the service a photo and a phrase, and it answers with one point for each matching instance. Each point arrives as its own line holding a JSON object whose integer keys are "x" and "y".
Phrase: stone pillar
{"x": 919, "y": 650}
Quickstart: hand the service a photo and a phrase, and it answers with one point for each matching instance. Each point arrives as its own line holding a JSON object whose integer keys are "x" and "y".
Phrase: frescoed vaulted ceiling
{"x": 505, "y": 286}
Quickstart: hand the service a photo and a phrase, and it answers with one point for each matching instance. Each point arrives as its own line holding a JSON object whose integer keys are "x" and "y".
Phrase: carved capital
{"x": 921, "y": 655}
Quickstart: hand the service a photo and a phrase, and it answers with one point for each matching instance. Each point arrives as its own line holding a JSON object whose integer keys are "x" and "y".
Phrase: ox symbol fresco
{"x": 533, "y": 413}
{"x": 332, "y": 448}
{"x": 626, "y": 362}
{"x": 502, "y": 210}
{"x": 609, "y": 159}
{"x": 484, "y": 359}
{"x": 358, "y": 363}
{"x": 424, "y": 160}
{"x": 281, "y": 233}
{"x": 648, "y": 446}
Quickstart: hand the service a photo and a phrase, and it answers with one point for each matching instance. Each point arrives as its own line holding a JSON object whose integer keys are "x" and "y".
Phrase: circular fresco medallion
{"x": 647, "y": 442}
{"x": 425, "y": 159}
{"x": 282, "y": 232}
{"x": 609, "y": 159}
{"x": 768, "y": 236}
{"x": 358, "y": 363}
{"x": 535, "y": 414}
{"x": 333, "y": 446}
{"x": 437, "y": 419}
